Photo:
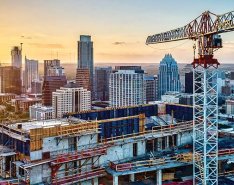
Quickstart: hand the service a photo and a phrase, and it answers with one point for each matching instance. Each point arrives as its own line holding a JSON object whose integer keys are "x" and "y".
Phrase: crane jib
{"x": 205, "y": 24}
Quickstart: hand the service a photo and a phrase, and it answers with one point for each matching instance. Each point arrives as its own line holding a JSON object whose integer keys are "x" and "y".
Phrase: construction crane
{"x": 205, "y": 30}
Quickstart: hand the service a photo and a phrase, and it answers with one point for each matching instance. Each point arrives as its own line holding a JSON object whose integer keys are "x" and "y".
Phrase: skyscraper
{"x": 102, "y": 75}
{"x": 85, "y": 55}
{"x": 126, "y": 86}
{"x": 54, "y": 78}
{"x": 30, "y": 73}
{"x": 16, "y": 56}
{"x": 10, "y": 81}
{"x": 168, "y": 77}
{"x": 70, "y": 100}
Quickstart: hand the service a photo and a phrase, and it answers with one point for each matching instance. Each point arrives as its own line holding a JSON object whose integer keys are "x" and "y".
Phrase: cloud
{"x": 119, "y": 43}
{"x": 45, "y": 45}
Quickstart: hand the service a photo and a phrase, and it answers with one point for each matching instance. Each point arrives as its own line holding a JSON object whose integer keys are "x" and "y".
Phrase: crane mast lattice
{"x": 205, "y": 30}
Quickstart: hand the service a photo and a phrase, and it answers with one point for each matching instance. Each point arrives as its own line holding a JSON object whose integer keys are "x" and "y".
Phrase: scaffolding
{"x": 205, "y": 134}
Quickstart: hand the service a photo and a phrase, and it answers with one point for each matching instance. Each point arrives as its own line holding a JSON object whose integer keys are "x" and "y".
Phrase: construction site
{"x": 156, "y": 143}
{"x": 110, "y": 146}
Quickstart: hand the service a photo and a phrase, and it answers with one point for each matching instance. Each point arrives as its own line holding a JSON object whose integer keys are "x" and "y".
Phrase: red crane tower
{"x": 205, "y": 30}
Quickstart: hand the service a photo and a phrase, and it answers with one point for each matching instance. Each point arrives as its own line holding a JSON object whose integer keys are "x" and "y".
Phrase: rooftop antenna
{"x": 21, "y": 46}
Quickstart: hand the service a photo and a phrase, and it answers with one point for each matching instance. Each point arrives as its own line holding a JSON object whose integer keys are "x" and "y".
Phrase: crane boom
{"x": 206, "y": 24}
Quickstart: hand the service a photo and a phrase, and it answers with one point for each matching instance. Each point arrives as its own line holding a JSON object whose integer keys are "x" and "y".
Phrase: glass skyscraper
{"x": 168, "y": 77}
{"x": 85, "y": 55}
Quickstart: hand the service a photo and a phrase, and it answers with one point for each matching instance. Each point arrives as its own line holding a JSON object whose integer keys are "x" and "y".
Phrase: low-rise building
{"x": 40, "y": 112}
{"x": 229, "y": 106}
{"x": 22, "y": 104}
{"x": 178, "y": 98}
{"x": 5, "y": 97}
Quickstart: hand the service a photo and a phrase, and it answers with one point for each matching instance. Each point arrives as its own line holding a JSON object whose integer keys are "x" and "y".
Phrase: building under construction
{"x": 109, "y": 145}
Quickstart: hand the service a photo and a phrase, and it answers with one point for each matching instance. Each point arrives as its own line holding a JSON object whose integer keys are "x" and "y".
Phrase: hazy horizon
{"x": 51, "y": 29}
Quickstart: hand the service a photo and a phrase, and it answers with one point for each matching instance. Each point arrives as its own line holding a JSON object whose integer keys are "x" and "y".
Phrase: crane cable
{"x": 169, "y": 48}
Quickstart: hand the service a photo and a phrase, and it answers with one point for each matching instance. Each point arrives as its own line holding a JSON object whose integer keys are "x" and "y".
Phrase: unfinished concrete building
{"x": 92, "y": 147}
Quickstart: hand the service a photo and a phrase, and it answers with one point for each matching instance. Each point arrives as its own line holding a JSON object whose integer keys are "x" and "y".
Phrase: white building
{"x": 40, "y": 112}
{"x": 171, "y": 97}
{"x": 66, "y": 100}
{"x": 126, "y": 86}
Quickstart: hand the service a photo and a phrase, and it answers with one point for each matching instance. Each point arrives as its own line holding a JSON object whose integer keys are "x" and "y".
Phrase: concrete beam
{"x": 159, "y": 177}
{"x": 115, "y": 180}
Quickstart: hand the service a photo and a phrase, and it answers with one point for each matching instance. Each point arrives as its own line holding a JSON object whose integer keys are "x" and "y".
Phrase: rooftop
{"x": 26, "y": 126}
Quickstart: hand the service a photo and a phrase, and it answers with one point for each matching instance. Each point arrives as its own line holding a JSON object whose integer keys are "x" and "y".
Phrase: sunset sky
{"x": 51, "y": 28}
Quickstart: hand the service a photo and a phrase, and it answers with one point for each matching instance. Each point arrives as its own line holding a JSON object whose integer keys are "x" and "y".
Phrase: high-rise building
{"x": 186, "y": 69}
{"x": 168, "y": 77}
{"x": 85, "y": 55}
{"x": 150, "y": 88}
{"x": 54, "y": 78}
{"x": 50, "y": 66}
{"x": 30, "y": 73}
{"x": 102, "y": 76}
{"x": 16, "y": 56}
{"x": 83, "y": 78}
{"x": 67, "y": 100}
{"x": 189, "y": 82}
{"x": 126, "y": 86}
{"x": 36, "y": 87}
{"x": 10, "y": 81}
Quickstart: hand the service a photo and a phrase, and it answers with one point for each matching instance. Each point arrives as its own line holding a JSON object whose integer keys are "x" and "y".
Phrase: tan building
{"x": 23, "y": 104}
{"x": 83, "y": 78}
{"x": 5, "y": 97}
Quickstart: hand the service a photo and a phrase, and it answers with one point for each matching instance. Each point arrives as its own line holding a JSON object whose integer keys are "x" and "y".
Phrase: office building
{"x": 16, "y": 56}
{"x": 10, "y": 81}
{"x": 150, "y": 88}
{"x": 102, "y": 75}
{"x": 168, "y": 77}
{"x": 189, "y": 82}
{"x": 126, "y": 86}
{"x": 67, "y": 100}
{"x": 54, "y": 78}
{"x": 49, "y": 65}
{"x": 36, "y": 87}
{"x": 83, "y": 78}
{"x": 85, "y": 55}
{"x": 30, "y": 73}
{"x": 186, "y": 69}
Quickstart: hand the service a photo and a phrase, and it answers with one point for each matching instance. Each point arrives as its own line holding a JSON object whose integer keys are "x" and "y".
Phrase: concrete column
{"x": 178, "y": 139}
{"x": 159, "y": 177}
{"x": 115, "y": 180}
{"x": 159, "y": 143}
{"x": 168, "y": 143}
{"x": 132, "y": 177}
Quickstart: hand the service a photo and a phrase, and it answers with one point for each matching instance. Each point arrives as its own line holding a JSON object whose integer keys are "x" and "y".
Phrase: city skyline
{"x": 60, "y": 24}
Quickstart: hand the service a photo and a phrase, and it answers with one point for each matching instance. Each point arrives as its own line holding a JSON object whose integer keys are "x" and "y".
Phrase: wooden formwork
{"x": 37, "y": 134}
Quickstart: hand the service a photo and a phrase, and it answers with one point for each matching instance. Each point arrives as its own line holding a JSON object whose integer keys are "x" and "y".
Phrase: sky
{"x": 51, "y": 28}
